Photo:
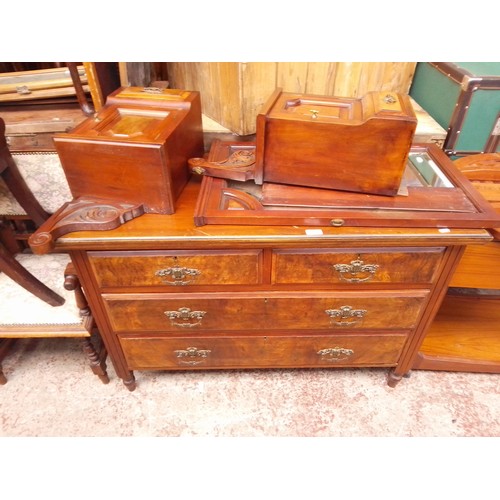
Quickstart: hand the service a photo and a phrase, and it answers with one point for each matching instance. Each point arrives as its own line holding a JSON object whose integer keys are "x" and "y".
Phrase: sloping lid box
{"x": 349, "y": 144}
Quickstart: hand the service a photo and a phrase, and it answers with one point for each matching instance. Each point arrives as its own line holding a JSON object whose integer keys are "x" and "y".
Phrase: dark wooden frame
{"x": 216, "y": 195}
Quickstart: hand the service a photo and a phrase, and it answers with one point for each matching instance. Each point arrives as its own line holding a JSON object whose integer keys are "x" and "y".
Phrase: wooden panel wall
{"x": 232, "y": 93}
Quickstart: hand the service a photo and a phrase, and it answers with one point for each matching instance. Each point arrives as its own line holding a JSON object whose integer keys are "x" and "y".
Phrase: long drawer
{"x": 356, "y": 266}
{"x": 174, "y": 269}
{"x": 158, "y": 353}
{"x": 264, "y": 311}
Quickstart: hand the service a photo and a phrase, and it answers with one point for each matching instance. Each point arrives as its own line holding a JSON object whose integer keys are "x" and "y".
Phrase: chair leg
{"x": 97, "y": 360}
{"x": 97, "y": 363}
{"x": 14, "y": 270}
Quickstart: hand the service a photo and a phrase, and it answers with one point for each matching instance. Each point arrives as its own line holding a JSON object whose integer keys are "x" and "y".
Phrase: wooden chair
{"x": 24, "y": 316}
{"x": 30, "y": 285}
{"x": 22, "y": 193}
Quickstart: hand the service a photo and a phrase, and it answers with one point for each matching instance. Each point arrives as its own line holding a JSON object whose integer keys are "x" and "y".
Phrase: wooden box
{"x": 234, "y": 92}
{"x": 347, "y": 144}
{"x": 135, "y": 149}
{"x": 464, "y": 98}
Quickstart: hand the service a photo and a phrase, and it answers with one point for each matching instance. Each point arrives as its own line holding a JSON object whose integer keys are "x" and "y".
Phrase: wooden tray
{"x": 437, "y": 195}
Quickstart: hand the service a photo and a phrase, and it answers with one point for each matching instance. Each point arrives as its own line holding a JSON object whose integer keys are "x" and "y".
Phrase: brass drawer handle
{"x": 334, "y": 354}
{"x": 178, "y": 275}
{"x": 345, "y": 315}
{"x": 357, "y": 271}
{"x": 191, "y": 356}
{"x": 184, "y": 317}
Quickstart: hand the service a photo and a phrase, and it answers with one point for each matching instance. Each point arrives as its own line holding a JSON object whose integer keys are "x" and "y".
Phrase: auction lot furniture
{"x": 464, "y": 98}
{"x": 465, "y": 335}
{"x": 135, "y": 148}
{"x": 170, "y": 295}
{"x": 24, "y": 316}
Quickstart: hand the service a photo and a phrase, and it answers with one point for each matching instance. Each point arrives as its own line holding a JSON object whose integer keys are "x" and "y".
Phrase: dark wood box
{"x": 348, "y": 144}
{"x": 135, "y": 149}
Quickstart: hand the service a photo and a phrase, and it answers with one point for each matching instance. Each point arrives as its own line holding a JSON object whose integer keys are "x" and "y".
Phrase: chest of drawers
{"x": 168, "y": 295}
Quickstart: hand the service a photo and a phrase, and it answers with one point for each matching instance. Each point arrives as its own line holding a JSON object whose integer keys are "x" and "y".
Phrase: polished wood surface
{"x": 164, "y": 291}
{"x": 135, "y": 150}
{"x": 465, "y": 336}
{"x": 466, "y": 333}
{"x": 458, "y": 204}
{"x": 157, "y": 353}
{"x": 307, "y": 140}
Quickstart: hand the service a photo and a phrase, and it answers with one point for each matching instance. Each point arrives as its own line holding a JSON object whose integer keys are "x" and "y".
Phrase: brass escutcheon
{"x": 335, "y": 353}
{"x": 178, "y": 275}
{"x": 345, "y": 315}
{"x": 357, "y": 271}
{"x": 184, "y": 317}
{"x": 191, "y": 355}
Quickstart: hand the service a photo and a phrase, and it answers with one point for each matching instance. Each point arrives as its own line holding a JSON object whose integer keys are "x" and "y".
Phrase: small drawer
{"x": 260, "y": 311}
{"x": 356, "y": 266}
{"x": 173, "y": 269}
{"x": 159, "y": 353}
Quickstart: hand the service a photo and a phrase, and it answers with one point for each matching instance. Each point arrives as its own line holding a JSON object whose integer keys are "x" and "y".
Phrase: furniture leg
{"x": 11, "y": 267}
{"x": 97, "y": 363}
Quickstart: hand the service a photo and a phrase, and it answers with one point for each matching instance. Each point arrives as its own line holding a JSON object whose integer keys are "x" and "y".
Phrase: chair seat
{"x": 39, "y": 169}
{"x": 24, "y": 315}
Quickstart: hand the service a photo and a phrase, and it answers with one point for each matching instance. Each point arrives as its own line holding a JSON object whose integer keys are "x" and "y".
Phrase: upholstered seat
{"x": 44, "y": 176}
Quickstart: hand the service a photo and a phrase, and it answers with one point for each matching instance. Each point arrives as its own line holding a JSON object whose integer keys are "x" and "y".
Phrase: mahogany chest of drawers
{"x": 168, "y": 295}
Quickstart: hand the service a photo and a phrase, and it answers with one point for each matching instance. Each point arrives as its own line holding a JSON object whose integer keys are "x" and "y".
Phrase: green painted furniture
{"x": 464, "y": 98}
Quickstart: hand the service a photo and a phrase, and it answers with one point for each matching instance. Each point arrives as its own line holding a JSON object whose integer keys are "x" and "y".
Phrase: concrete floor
{"x": 51, "y": 391}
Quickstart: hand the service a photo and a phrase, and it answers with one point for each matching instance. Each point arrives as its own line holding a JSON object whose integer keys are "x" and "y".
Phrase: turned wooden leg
{"x": 3, "y": 379}
{"x": 97, "y": 363}
{"x": 393, "y": 379}
{"x": 97, "y": 360}
{"x": 130, "y": 383}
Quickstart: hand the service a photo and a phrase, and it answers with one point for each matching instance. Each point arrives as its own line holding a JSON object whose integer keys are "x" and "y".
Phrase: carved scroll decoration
{"x": 82, "y": 214}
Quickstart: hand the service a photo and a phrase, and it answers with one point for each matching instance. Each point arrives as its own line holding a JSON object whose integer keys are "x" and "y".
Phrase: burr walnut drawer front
{"x": 174, "y": 269}
{"x": 156, "y": 353}
{"x": 260, "y": 311}
{"x": 358, "y": 266}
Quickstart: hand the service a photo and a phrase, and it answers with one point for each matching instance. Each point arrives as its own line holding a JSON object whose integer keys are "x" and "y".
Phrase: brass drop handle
{"x": 334, "y": 354}
{"x": 178, "y": 275}
{"x": 356, "y": 271}
{"x": 345, "y": 315}
{"x": 191, "y": 355}
{"x": 185, "y": 317}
